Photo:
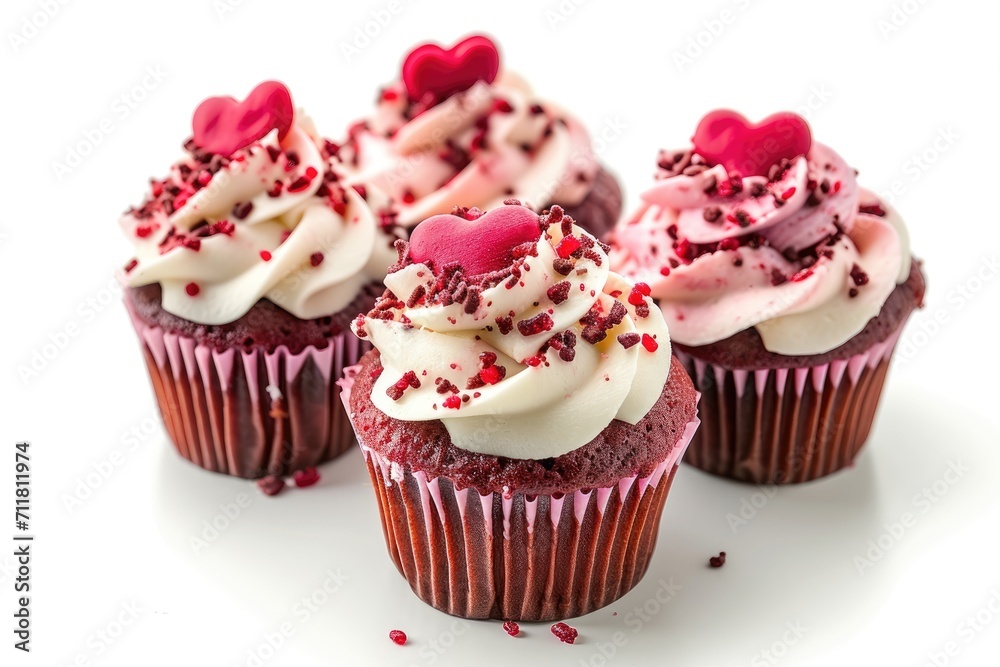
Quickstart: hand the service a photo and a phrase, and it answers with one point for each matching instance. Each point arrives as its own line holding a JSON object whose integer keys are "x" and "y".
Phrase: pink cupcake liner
{"x": 250, "y": 413}
{"x": 515, "y": 556}
{"x": 786, "y": 425}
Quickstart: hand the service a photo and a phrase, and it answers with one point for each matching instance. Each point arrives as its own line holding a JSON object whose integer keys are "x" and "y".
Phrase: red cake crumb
{"x": 270, "y": 486}
{"x": 512, "y": 628}
{"x": 306, "y": 477}
{"x": 397, "y": 636}
{"x": 718, "y": 561}
{"x": 565, "y": 633}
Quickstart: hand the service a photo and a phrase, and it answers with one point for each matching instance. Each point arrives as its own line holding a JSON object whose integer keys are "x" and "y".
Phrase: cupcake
{"x": 457, "y": 129}
{"x": 521, "y": 416}
{"x": 785, "y": 286}
{"x": 251, "y": 260}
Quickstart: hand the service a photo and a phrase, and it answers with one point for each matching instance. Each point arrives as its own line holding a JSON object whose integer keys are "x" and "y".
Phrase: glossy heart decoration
{"x": 444, "y": 72}
{"x": 223, "y": 125}
{"x": 480, "y": 246}
{"x": 727, "y": 138}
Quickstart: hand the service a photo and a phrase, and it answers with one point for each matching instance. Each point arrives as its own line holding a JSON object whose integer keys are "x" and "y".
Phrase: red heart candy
{"x": 222, "y": 125}
{"x": 479, "y": 246}
{"x": 442, "y": 73}
{"x": 727, "y": 138}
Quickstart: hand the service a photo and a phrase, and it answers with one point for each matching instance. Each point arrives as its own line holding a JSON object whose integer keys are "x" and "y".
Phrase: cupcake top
{"x": 759, "y": 226}
{"x": 511, "y": 329}
{"x": 457, "y": 129}
{"x": 254, "y": 210}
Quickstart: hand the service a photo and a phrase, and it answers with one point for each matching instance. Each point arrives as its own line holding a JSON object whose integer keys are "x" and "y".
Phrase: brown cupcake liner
{"x": 250, "y": 413}
{"x": 514, "y": 556}
{"x": 786, "y": 425}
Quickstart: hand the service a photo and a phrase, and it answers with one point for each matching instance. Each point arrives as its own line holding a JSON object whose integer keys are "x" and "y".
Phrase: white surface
{"x": 888, "y": 98}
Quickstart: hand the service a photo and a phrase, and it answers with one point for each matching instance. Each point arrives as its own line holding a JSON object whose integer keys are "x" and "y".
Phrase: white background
{"x": 880, "y": 81}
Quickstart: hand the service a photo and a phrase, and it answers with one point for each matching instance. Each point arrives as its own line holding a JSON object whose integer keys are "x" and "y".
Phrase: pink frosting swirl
{"x": 803, "y": 254}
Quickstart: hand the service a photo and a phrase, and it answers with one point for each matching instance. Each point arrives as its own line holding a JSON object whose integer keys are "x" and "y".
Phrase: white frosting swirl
{"x": 544, "y": 406}
{"x": 476, "y": 148}
{"x": 294, "y": 249}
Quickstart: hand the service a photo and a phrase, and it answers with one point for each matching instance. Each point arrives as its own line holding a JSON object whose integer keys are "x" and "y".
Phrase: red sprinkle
{"x": 397, "y": 637}
{"x": 559, "y": 292}
{"x": 304, "y": 478}
{"x": 649, "y": 343}
{"x": 730, "y": 243}
{"x": 311, "y": 173}
{"x": 265, "y": 255}
{"x": 627, "y": 340}
{"x": 192, "y": 289}
{"x": 858, "y": 276}
{"x": 787, "y": 194}
{"x": 637, "y": 296}
{"x": 567, "y": 246}
{"x": 665, "y": 271}
{"x": 872, "y": 209}
{"x": 270, "y": 486}
{"x": 316, "y": 258}
{"x": 565, "y": 633}
{"x": 512, "y": 628}
{"x": 453, "y": 402}
{"x": 718, "y": 561}
{"x": 492, "y": 374}
{"x": 142, "y": 231}
{"x": 299, "y": 184}
{"x": 535, "y": 325}
{"x": 131, "y": 265}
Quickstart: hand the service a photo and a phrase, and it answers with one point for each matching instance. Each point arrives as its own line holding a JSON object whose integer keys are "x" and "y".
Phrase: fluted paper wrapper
{"x": 518, "y": 557}
{"x": 250, "y": 413}
{"x": 786, "y": 425}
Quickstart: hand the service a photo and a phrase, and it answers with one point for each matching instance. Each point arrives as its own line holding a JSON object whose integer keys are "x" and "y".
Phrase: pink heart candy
{"x": 444, "y": 72}
{"x": 479, "y": 246}
{"x": 727, "y": 138}
{"x": 223, "y": 125}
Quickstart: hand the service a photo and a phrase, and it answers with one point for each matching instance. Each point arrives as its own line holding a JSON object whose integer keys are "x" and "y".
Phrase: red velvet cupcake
{"x": 521, "y": 417}
{"x": 785, "y": 286}
{"x": 251, "y": 261}
{"x": 458, "y": 129}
